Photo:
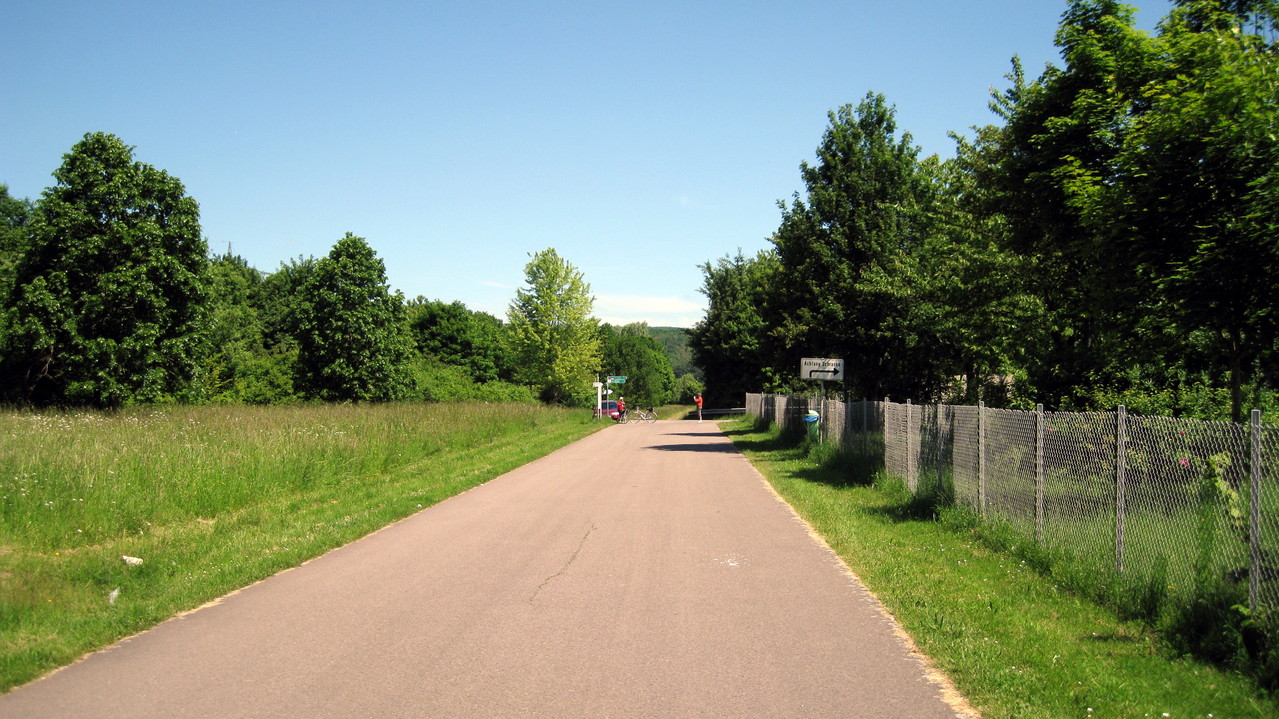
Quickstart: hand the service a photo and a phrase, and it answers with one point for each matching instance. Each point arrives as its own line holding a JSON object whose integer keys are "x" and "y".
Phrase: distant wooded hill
{"x": 675, "y": 340}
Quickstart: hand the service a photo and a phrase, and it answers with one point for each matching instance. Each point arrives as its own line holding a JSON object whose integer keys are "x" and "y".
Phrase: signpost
{"x": 817, "y": 368}
{"x": 823, "y": 370}
{"x": 601, "y": 392}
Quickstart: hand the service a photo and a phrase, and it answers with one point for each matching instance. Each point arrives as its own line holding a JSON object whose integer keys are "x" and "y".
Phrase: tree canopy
{"x": 352, "y": 339}
{"x": 107, "y": 300}
{"x": 730, "y": 343}
{"x": 632, "y": 352}
{"x": 554, "y": 339}
{"x": 1113, "y": 240}
{"x": 455, "y": 335}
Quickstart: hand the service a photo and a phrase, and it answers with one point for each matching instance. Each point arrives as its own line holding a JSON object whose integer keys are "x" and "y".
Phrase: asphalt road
{"x": 646, "y": 571}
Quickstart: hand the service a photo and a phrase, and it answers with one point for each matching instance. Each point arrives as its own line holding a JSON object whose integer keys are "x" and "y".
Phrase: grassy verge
{"x": 213, "y": 499}
{"x": 672, "y": 411}
{"x": 1014, "y": 643}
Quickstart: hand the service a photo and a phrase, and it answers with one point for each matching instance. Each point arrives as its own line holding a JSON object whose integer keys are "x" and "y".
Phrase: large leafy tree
{"x": 107, "y": 301}
{"x": 1257, "y": 17}
{"x": 1060, "y": 145}
{"x": 632, "y": 352}
{"x": 352, "y": 341}
{"x": 730, "y": 344}
{"x": 848, "y": 255}
{"x": 555, "y": 340}
{"x": 280, "y": 300}
{"x": 965, "y": 286}
{"x": 675, "y": 340}
{"x": 1196, "y": 203}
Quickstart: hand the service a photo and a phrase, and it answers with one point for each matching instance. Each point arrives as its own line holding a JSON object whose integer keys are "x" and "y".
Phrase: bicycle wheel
{"x": 650, "y": 417}
{"x": 632, "y": 417}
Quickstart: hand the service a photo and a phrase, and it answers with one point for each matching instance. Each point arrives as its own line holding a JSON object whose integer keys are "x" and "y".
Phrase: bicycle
{"x": 641, "y": 415}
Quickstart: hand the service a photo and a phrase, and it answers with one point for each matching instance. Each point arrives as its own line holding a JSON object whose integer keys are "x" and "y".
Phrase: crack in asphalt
{"x": 564, "y": 568}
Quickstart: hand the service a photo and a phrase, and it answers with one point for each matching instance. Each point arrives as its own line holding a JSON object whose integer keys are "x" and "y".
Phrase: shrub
{"x": 435, "y": 381}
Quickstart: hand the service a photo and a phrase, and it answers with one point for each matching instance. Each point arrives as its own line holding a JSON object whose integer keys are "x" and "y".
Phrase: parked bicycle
{"x": 642, "y": 415}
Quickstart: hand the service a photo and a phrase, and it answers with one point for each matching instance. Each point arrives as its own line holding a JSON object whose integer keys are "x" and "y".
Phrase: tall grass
{"x": 70, "y": 480}
{"x": 214, "y": 498}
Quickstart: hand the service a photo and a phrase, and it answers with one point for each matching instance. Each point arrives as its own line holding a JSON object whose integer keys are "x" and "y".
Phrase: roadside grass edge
{"x": 1015, "y": 642}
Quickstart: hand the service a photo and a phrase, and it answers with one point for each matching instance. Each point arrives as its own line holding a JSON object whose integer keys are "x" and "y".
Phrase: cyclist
{"x": 621, "y": 410}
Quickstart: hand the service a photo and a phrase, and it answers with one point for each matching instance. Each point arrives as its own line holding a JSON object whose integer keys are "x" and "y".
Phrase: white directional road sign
{"x": 830, "y": 370}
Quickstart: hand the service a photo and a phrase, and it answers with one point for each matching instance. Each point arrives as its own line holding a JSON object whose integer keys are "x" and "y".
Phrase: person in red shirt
{"x": 698, "y": 399}
{"x": 621, "y": 409}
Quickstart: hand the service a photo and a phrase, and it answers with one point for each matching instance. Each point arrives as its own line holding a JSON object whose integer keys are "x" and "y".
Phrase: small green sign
{"x": 617, "y": 380}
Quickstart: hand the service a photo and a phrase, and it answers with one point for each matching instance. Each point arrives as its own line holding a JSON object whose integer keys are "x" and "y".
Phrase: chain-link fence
{"x": 1165, "y": 505}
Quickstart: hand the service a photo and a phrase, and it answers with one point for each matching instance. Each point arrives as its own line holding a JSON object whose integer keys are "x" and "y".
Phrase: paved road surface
{"x": 646, "y": 571}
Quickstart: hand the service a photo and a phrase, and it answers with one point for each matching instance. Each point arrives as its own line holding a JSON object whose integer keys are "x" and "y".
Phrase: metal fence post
{"x": 1121, "y": 482}
{"x": 939, "y": 446}
{"x": 865, "y": 431}
{"x": 912, "y": 478}
{"x": 883, "y": 440}
{"x": 1254, "y": 516}
{"x": 1039, "y": 473}
{"x": 981, "y": 458}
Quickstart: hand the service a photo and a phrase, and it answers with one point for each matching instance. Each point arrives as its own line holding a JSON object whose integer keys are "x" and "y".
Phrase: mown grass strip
{"x": 214, "y": 499}
{"x": 1015, "y": 644}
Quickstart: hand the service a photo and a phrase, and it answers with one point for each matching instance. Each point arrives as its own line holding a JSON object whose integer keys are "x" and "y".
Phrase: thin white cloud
{"x": 628, "y": 304}
{"x": 667, "y": 311}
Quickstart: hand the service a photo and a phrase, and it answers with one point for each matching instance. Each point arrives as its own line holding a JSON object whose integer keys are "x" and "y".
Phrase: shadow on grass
{"x": 825, "y": 465}
{"x": 926, "y": 504}
{"x": 749, "y": 440}
{"x": 836, "y": 477}
{"x": 1114, "y": 638}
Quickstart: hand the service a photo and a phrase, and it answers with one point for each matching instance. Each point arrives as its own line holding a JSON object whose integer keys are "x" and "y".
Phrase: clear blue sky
{"x": 458, "y": 136}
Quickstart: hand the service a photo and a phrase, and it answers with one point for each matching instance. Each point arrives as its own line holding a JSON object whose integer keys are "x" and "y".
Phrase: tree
{"x": 460, "y": 337}
{"x": 107, "y": 305}
{"x": 15, "y": 215}
{"x": 1260, "y": 17}
{"x": 1196, "y": 202}
{"x": 729, "y": 344}
{"x": 675, "y": 340}
{"x": 240, "y": 367}
{"x": 687, "y": 387}
{"x": 1060, "y": 147}
{"x": 632, "y": 352}
{"x": 1139, "y": 173}
{"x": 986, "y": 313}
{"x": 280, "y": 300}
{"x": 352, "y": 341}
{"x": 555, "y": 340}
{"x": 847, "y": 254}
